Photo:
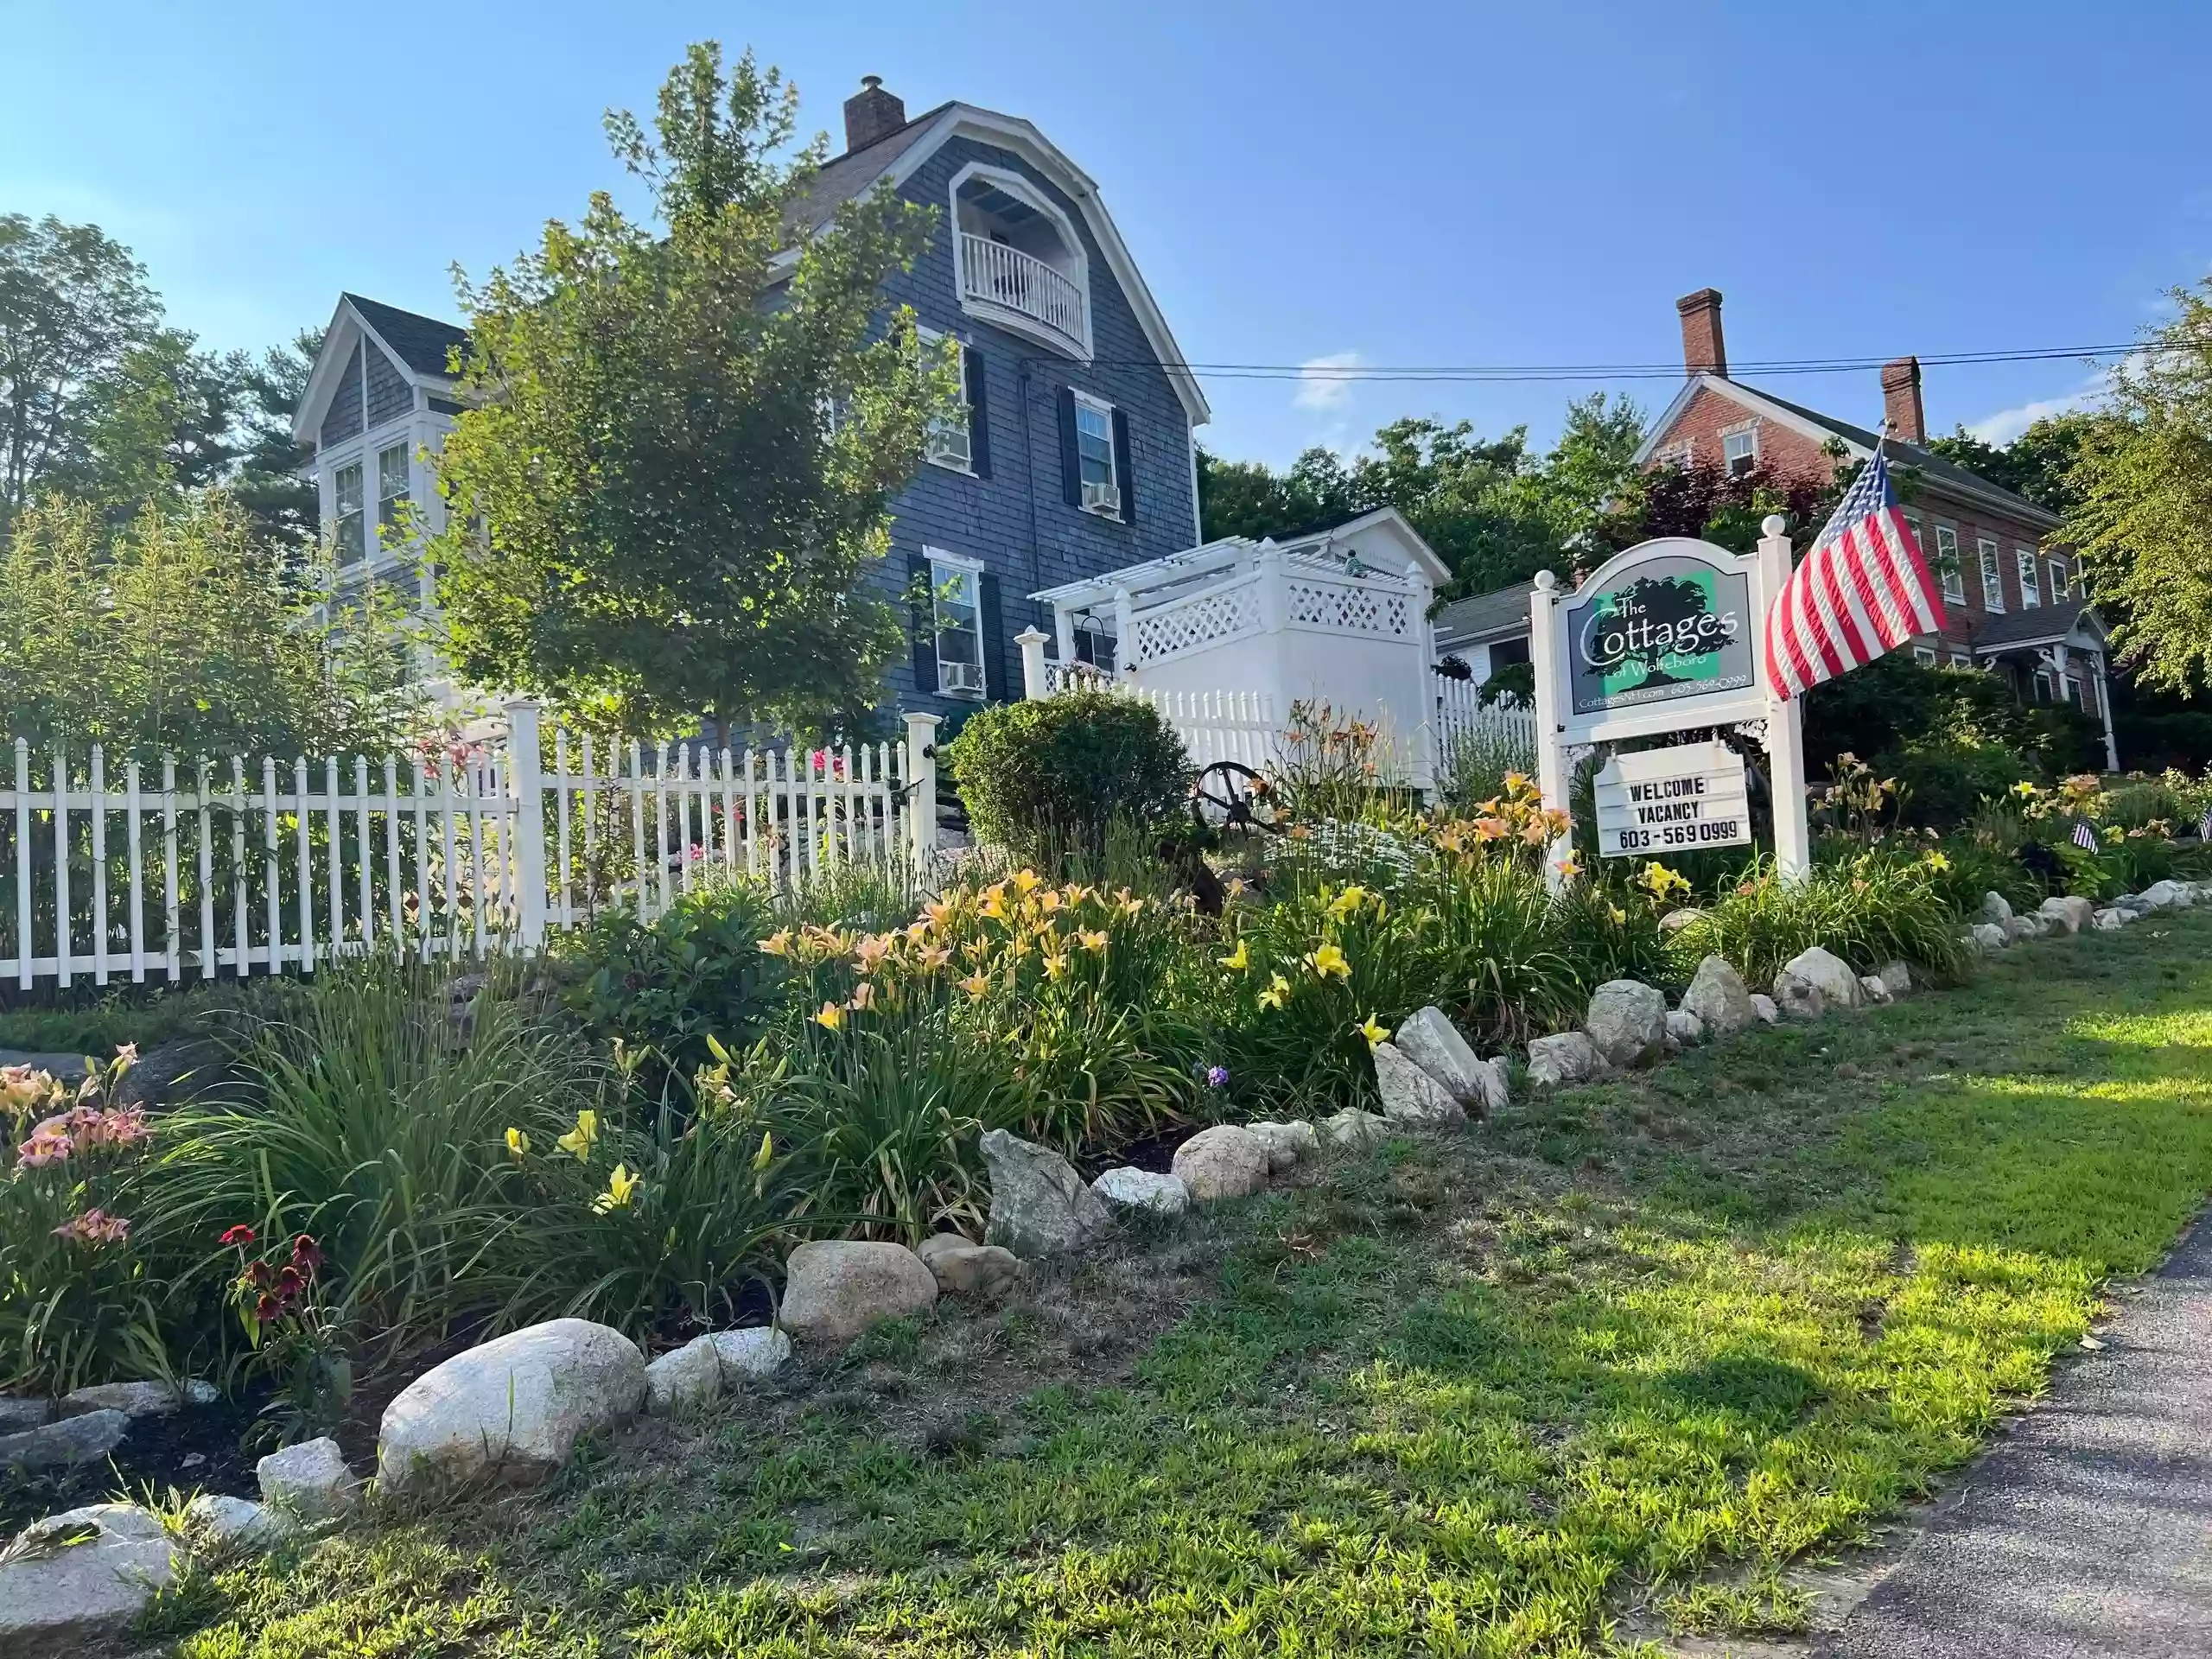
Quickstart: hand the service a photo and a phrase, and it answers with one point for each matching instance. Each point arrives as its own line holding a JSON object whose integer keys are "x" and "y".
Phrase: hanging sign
{"x": 1671, "y": 800}
{"x": 1662, "y": 627}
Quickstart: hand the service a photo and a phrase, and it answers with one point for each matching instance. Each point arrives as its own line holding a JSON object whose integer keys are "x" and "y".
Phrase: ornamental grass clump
{"x": 1869, "y": 910}
{"x": 77, "y": 1304}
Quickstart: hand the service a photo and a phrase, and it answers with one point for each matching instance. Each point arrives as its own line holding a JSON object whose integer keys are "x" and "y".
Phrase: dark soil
{"x": 197, "y": 1448}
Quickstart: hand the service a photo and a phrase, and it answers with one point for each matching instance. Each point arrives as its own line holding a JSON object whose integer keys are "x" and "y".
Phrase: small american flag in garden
{"x": 2085, "y": 837}
{"x": 1862, "y": 589}
{"x": 2204, "y": 825}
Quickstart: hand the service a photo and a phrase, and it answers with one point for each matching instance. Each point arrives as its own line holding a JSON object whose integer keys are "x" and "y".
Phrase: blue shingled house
{"x": 1075, "y": 453}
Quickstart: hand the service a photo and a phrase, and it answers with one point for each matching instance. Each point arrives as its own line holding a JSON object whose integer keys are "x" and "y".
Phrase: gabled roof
{"x": 1500, "y": 614}
{"x": 1319, "y": 549}
{"x": 898, "y": 155}
{"x": 418, "y": 341}
{"x": 2045, "y": 625}
{"x": 1953, "y": 480}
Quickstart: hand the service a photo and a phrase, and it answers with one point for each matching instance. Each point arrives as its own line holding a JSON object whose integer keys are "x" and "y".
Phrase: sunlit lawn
{"x": 1608, "y": 1366}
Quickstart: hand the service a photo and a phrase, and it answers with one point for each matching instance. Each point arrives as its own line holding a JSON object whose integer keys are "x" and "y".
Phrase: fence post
{"x": 1032, "y": 641}
{"x": 921, "y": 792}
{"x": 1785, "y": 718}
{"x": 526, "y": 785}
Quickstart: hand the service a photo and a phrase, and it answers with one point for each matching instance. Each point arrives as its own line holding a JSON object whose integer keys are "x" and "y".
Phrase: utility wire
{"x": 1544, "y": 372}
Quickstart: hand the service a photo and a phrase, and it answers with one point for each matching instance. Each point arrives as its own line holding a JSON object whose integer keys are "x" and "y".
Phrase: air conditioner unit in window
{"x": 1104, "y": 496}
{"x": 959, "y": 676}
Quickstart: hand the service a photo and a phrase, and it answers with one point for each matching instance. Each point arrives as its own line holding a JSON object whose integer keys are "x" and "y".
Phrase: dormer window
{"x": 1019, "y": 262}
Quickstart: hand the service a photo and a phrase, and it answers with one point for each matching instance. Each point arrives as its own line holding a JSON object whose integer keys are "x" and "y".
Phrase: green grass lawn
{"x": 1601, "y": 1371}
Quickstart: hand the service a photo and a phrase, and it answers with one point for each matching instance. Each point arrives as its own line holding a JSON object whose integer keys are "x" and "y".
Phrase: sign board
{"x": 1671, "y": 800}
{"x": 1672, "y": 625}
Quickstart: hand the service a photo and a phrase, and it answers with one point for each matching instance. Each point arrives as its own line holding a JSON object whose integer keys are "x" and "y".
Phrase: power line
{"x": 1355, "y": 372}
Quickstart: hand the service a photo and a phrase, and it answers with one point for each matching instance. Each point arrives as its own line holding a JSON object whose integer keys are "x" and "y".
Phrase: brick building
{"x": 2013, "y": 596}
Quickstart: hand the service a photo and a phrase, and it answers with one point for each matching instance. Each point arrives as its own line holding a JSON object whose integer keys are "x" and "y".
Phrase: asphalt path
{"x": 2087, "y": 1531}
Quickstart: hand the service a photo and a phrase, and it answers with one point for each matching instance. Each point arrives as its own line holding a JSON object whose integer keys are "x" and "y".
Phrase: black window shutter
{"x": 995, "y": 679}
{"x": 918, "y": 574}
{"x": 979, "y": 411}
{"x": 1124, "y": 474}
{"x": 1071, "y": 458}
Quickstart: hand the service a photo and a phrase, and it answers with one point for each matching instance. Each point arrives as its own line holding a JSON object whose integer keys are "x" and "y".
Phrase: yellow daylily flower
{"x": 863, "y": 997}
{"x": 976, "y": 985}
{"x": 831, "y": 1017}
{"x": 1056, "y": 965}
{"x": 767, "y": 1151}
{"x": 1937, "y": 862}
{"x": 1025, "y": 882}
{"x": 777, "y": 943}
{"x": 1278, "y": 990}
{"x": 934, "y": 957}
{"x": 1048, "y": 901}
{"x": 1373, "y": 1033}
{"x": 994, "y": 904}
{"x": 1569, "y": 868}
{"x": 1239, "y": 959}
{"x": 619, "y": 1186}
{"x": 578, "y": 1139}
{"x": 1327, "y": 960}
{"x": 1347, "y": 903}
{"x": 519, "y": 1144}
{"x": 1618, "y": 915}
{"x": 1093, "y": 940}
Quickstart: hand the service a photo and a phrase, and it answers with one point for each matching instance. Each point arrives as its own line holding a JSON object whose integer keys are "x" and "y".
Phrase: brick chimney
{"x": 871, "y": 113}
{"x": 1901, "y": 400}
{"x": 1703, "y": 350}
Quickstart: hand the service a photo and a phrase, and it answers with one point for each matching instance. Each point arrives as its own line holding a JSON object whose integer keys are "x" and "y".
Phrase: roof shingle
{"x": 420, "y": 341}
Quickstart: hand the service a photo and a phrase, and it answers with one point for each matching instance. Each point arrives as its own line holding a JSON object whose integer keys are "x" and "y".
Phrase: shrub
{"x": 1941, "y": 784}
{"x": 668, "y": 985}
{"x": 76, "y": 1302}
{"x": 1874, "y": 909}
{"x": 1041, "y": 777}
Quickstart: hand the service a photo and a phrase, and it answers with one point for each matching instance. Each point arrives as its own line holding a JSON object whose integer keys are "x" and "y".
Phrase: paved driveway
{"x": 2088, "y": 1531}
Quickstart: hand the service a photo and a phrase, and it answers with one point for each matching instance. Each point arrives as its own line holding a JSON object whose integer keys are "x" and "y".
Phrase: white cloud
{"x": 1321, "y": 382}
{"x": 2008, "y": 424}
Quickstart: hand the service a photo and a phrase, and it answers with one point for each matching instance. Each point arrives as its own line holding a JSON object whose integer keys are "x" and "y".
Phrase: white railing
{"x": 1503, "y": 735}
{"x": 1240, "y": 726}
{"x": 994, "y": 273}
{"x": 236, "y": 868}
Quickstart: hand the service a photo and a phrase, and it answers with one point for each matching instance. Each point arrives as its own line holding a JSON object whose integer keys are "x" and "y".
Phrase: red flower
{"x": 267, "y": 1308}
{"x": 289, "y": 1283}
{"x": 240, "y": 1236}
{"x": 258, "y": 1276}
{"x": 307, "y": 1255}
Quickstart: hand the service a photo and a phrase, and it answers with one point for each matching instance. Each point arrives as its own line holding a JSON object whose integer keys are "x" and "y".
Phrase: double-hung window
{"x": 346, "y": 488}
{"x": 1993, "y": 578}
{"x": 1947, "y": 564}
{"x": 959, "y": 584}
{"x": 1961, "y": 659}
{"x": 1924, "y": 655}
{"x": 1739, "y": 450}
{"x": 950, "y": 440}
{"x": 392, "y": 493}
{"x": 2030, "y": 591}
{"x": 2061, "y": 581}
{"x": 1095, "y": 465}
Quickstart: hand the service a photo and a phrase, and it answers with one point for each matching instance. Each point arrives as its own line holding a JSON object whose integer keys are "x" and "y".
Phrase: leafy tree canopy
{"x": 653, "y": 516}
{"x": 2038, "y": 464}
{"x": 187, "y": 631}
{"x": 1496, "y": 511}
{"x": 2141, "y": 512}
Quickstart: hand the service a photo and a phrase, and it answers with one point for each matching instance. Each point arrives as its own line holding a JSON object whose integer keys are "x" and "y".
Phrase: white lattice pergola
{"x": 1340, "y": 617}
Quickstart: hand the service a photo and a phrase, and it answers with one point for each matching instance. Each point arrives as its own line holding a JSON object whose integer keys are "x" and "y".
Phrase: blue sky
{"x": 1414, "y": 184}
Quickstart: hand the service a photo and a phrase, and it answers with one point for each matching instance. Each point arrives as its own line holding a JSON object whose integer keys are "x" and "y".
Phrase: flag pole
{"x": 1785, "y": 720}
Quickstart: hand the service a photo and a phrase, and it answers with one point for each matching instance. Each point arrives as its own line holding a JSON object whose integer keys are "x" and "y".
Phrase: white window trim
{"x": 1741, "y": 429}
{"x": 1100, "y": 406}
{"x": 965, "y": 466}
{"x": 1924, "y": 655}
{"x": 1022, "y": 190}
{"x": 2024, "y": 561}
{"x": 1962, "y": 660}
{"x": 1991, "y": 558}
{"x": 1680, "y": 454}
{"x": 2062, "y": 579}
{"x": 1954, "y": 576}
{"x": 961, "y": 562}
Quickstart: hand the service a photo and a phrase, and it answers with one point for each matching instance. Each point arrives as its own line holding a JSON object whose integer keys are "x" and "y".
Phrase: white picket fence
{"x": 238, "y": 867}
{"x": 1503, "y": 735}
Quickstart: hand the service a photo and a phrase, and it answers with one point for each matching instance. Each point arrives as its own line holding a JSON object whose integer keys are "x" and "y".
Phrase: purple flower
{"x": 1216, "y": 1076}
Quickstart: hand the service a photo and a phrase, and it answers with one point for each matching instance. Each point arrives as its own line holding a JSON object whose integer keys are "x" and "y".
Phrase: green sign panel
{"x": 1672, "y": 627}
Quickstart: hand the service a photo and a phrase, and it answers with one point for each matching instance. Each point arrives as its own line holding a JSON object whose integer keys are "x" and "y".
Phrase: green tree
{"x": 186, "y": 631}
{"x": 267, "y": 481}
{"x": 654, "y": 513}
{"x": 2143, "y": 514}
{"x": 2039, "y": 464}
{"x": 73, "y": 307}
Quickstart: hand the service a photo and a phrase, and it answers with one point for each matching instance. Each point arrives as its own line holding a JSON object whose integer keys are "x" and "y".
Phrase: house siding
{"x": 391, "y": 395}
{"x": 344, "y": 420}
{"x": 1791, "y": 454}
{"x": 1017, "y": 521}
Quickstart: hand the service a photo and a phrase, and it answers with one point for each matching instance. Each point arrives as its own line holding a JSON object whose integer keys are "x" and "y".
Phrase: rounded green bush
{"x": 1049, "y": 775}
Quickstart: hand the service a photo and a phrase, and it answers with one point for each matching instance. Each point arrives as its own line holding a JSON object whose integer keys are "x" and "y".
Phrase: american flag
{"x": 2085, "y": 837}
{"x": 2204, "y": 825}
{"x": 1864, "y": 589}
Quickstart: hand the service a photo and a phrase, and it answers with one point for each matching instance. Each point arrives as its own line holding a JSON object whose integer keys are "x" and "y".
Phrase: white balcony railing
{"x": 997, "y": 275}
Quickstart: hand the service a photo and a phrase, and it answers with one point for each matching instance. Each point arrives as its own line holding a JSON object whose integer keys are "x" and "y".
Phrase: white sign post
{"x": 1673, "y": 800}
{"x": 1669, "y": 636}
